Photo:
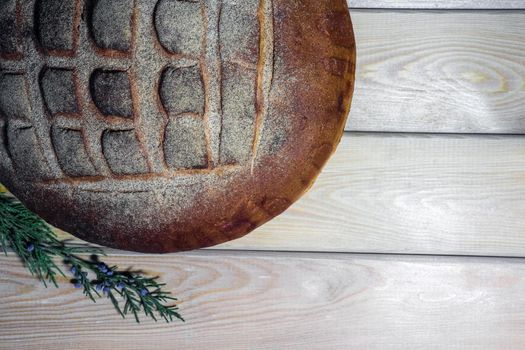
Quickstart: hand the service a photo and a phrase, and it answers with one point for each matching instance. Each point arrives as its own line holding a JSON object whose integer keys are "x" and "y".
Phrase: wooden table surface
{"x": 412, "y": 238}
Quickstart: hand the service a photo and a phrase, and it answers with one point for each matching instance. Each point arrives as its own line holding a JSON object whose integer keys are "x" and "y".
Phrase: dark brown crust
{"x": 312, "y": 86}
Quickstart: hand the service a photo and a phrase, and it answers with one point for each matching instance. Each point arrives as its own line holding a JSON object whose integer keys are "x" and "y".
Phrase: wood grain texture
{"x": 448, "y": 71}
{"x": 284, "y": 301}
{"x": 402, "y": 193}
{"x": 438, "y": 4}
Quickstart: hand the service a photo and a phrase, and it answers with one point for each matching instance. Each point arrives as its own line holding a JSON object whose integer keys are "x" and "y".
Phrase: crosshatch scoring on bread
{"x": 207, "y": 83}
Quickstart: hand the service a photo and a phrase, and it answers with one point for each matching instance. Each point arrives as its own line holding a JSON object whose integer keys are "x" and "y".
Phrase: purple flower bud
{"x": 30, "y": 247}
{"x": 110, "y": 273}
{"x": 144, "y": 292}
{"x": 103, "y": 267}
{"x": 106, "y": 290}
{"x": 107, "y": 283}
{"x": 121, "y": 285}
{"x": 74, "y": 270}
{"x": 99, "y": 287}
{"x": 78, "y": 285}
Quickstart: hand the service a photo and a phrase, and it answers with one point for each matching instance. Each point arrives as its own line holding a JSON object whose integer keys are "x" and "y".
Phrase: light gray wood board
{"x": 418, "y": 194}
{"x": 439, "y": 71}
{"x": 438, "y": 4}
{"x": 408, "y": 193}
{"x": 252, "y": 301}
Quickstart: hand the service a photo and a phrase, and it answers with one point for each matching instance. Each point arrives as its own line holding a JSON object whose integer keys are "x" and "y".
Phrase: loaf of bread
{"x": 169, "y": 125}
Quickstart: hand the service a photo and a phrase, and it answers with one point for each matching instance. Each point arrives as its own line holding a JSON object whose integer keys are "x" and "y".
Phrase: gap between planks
{"x": 439, "y": 4}
{"x": 217, "y": 252}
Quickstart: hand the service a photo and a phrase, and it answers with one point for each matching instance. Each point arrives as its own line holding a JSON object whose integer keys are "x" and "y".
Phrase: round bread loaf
{"x": 169, "y": 125}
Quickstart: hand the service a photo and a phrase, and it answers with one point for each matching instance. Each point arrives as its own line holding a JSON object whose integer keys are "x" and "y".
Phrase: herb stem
{"x": 38, "y": 247}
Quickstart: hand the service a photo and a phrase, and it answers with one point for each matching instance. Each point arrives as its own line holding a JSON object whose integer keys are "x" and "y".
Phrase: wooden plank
{"x": 451, "y": 71}
{"x": 410, "y": 194}
{"x": 419, "y": 194}
{"x": 439, "y": 4}
{"x": 284, "y": 301}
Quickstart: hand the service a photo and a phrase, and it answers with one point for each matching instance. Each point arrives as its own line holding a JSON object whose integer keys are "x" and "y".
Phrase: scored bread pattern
{"x": 93, "y": 89}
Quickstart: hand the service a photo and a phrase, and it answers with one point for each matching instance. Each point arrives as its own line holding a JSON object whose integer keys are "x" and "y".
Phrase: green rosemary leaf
{"x": 115, "y": 304}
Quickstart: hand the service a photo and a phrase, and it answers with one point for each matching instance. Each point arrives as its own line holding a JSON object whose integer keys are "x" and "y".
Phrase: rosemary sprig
{"x": 38, "y": 248}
